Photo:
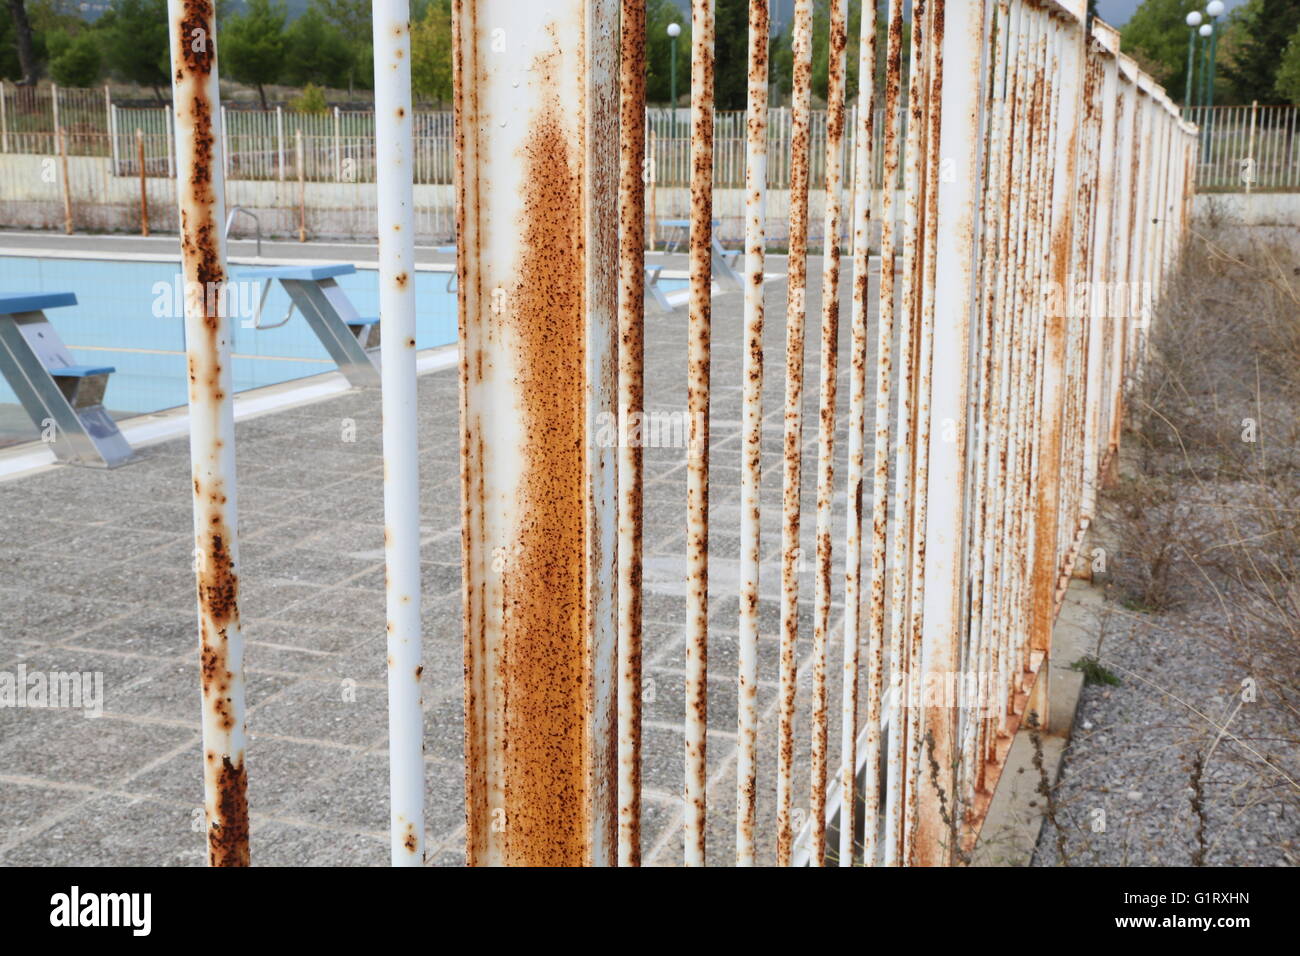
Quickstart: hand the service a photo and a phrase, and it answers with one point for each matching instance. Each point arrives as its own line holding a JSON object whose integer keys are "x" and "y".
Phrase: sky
{"x": 1117, "y": 12}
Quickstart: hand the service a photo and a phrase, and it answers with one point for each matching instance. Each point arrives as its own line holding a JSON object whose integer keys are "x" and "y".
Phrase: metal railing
{"x": 1046, "y": 192}
{"x": 1244, "y": 148}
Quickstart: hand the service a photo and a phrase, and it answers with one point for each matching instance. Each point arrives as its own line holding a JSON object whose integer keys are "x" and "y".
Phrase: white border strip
{"x": 150, "y": 429}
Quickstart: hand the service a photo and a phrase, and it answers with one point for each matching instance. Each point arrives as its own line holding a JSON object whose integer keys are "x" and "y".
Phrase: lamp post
{"x": 1213, "y": 10}
{"x": 1193, "y": 21}
{"x": 674, "y": 31}
{"x": 1203, "y": 79}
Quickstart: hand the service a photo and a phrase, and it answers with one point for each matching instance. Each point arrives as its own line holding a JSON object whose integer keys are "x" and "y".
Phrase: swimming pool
{"x": 127, "y": 316}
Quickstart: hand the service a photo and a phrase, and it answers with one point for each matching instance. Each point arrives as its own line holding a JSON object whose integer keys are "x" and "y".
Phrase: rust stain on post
{"x": 212, "y": 432}
{"x": 538, "y": 367}
{"x": 752, "y": 459}
{"x": 697, "y": 402}
{"x": 543, "y": 613}
{"x": 830, "y": 349}
{"x": 880, "y": 455}
{"x": 631, "y": 400}
{"x": 796, "y": 315}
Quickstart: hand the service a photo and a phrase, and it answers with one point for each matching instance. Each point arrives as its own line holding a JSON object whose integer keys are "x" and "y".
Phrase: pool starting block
{"x": 352, "y": 340}
{"x": 722, "y": 261}
{"x": 63, "y": 399}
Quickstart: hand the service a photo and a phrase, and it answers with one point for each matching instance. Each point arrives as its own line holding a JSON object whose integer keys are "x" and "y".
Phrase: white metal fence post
{"x": 279, "y": 142}
{"x": 395, "y": 201}
{"x": 1065, "y": 163}
{"x": 961, "y": 92}
{"x": 752, "y": 375}
{"x": 199, "y": 154}
{"x": 537, "y": 169}
{"x": 1100, "y": 300}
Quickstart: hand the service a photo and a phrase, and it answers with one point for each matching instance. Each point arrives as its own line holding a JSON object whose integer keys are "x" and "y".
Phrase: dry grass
{"x": 1211, "y": 518}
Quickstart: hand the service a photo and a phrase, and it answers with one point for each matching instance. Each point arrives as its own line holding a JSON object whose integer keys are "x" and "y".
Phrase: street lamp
{"x": 1213, "y": 10}
{"x": 674, "y": 31}
{"x": 1206, "y": 31}
{"x": 1193, "y": 21}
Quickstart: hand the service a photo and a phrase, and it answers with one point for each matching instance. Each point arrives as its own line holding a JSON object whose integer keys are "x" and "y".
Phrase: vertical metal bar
{"x": 110, "y": 127}
{"x": 302, "y": 185}
{"x": 928, "y": 243}
{"x": 225, "y": 137}
{"x": 960, "y": 74}
{"x": 796, "y": 314}
{"x": 279, "y": 143}
{"x": 863, "y": 135}
{"x": 54, "y": 117}
{"x": 537, "y": 237}
{"x": 395, "y": 202}
{"x": 697, "y": 409}
{"x": 4, "y": 120}
{"x": 752, "y": 425}
{"x": 1250, "y": 151}
{"x": 880, "y": 452}
{"x": 144, "y": 193}
{"x": 338, "y": 147}
{"x": 199, "y": 149}
{"x": 1015, "y": 191}
{"x": 1048, "y": 491}
{"x": 903, "y": 473}
{"x": 61, "y": 145}
{"x": 995, "y": 269}
{"x": 830, "y": 330}
{"x": 1125, "y": 164}
{"x": 633, "y": 175}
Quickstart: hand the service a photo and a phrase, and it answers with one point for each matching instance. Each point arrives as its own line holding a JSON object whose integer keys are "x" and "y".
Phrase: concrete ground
{"x": 95, "y": 577}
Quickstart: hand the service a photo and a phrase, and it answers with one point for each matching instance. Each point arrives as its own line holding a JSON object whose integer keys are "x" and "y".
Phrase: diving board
{"x": 63, "y": 399}
{"x": 352, "y": 340}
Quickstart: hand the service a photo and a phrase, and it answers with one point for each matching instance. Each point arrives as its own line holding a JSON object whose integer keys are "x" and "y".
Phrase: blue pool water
{"x": 114, "y": 323}
{"x": 127, "y": 316}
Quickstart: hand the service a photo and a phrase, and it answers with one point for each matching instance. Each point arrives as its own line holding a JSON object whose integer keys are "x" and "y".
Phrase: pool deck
{"x": 95, "y": 577}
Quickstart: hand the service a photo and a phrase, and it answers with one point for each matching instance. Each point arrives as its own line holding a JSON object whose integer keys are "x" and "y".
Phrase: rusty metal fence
{"x": 1046, "y": 186}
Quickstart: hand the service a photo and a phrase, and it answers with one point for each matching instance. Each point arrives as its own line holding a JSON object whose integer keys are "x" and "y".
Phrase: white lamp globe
{"x": 1214, "y": 8}
{"x": 1194, "y": 18}
{"x": 1207, "y": 30}
{"x": 674, "y": 29}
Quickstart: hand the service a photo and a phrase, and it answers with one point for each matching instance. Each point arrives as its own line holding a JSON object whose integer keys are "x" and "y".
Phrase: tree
{"x": 782, "y": 57}
{"x": 352, "y": 18}
{"x": 659, "y": 48}
{"x": 310, "y": 100}
{"x": 731, "y": 54}
{"x": 252, "y": 45}
{"x": 431, "y": 52}
{"x": 821, "y": 47}
{"x": 1266, "y": 28}
{"x": 1287, "y": 81}
{"x": 75, "y": 61}
{"x": 1157, "y": 38}
{"x": 315, "y": 52}
{"x": 136, "y": 43}
{"x": 24, "y": 43}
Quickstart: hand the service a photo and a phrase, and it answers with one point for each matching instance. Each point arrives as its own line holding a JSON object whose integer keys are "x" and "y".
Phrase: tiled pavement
{"x": 95, "y": 576}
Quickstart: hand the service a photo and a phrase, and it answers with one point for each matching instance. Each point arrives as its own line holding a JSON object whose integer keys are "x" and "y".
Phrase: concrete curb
{"x": 1015, "y": 816}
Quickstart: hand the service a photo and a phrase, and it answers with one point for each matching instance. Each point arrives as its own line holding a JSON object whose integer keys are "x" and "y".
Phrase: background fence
{"x": 332, "y": 155}
{"x": 1247, "y": 147}
{"x": 271, "y": 152}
